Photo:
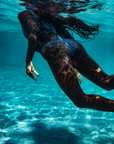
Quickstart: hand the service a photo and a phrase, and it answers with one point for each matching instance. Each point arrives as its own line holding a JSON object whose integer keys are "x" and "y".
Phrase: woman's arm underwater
{"x": 63, "y": 33}
{"x": 27, "y": 22}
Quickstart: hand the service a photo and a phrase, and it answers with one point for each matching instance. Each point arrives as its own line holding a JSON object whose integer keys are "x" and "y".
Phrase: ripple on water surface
{"x": 40, "y": 113}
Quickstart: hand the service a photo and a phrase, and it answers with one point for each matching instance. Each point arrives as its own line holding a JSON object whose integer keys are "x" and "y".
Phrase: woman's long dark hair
{"x": 50, "y": 11}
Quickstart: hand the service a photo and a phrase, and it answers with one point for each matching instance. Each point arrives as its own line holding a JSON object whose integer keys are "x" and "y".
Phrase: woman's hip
{"x": 59, "y": 45}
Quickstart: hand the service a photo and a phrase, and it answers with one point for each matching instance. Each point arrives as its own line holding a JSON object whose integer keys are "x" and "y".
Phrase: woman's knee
{"x": 109, "y": 83}
{"x": 80, "y": 99}
{"x": 84, "y": 101}
{"x": 106, "y": 82}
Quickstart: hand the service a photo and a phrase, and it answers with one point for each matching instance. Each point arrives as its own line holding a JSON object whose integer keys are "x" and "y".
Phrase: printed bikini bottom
{"x": 68, "y": 42}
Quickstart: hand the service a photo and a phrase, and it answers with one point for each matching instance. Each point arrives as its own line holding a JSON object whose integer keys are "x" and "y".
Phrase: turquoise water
{"x": 39, "y": 112}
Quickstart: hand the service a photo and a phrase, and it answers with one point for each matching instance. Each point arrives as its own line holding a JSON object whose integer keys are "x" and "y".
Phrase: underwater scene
{"x": 39, "y": 112}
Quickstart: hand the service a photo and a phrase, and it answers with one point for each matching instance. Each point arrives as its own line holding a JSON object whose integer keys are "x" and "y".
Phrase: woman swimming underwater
{"x": 41, "y": 27}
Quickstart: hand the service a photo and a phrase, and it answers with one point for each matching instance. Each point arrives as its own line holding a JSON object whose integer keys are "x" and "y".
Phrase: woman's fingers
{"x": 35, "y": 72}
{"x": 29, "y": 73}
{"x": 80, "y": 78}
{"x": 30, "y": 70}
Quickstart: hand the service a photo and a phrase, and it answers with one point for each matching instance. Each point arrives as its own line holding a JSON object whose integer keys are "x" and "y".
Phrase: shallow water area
{"x": 38, "y": 112}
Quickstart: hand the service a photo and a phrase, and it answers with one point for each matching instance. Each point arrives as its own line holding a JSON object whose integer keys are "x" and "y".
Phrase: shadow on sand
{"x": 53, "y": 135}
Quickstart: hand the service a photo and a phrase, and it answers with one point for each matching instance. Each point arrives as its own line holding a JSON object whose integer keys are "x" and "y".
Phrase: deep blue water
{"x": 39, "y": 112}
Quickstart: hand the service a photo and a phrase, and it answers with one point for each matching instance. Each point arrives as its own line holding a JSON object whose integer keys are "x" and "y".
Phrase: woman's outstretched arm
{"x": 29, "y": 23}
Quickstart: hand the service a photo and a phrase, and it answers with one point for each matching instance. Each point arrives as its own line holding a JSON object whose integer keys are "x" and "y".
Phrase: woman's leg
{"x": 58, "y": 58}
{"x": 90, "y": 69}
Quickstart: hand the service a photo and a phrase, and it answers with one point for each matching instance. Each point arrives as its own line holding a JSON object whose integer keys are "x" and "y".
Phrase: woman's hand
{"x": 78, "y": 76}
{"x": 30, "y": 70}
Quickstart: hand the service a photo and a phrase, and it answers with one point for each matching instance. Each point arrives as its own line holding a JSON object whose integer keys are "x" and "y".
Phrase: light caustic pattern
{"x": 40, "y": 113}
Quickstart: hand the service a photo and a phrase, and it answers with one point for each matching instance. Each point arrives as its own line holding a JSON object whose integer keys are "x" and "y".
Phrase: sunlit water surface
{"x": 39, "y": 112}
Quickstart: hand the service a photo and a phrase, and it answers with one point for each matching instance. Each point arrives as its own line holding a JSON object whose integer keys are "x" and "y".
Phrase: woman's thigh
{"x": 90, "y": 69}
{"x": 59, "y": 60}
